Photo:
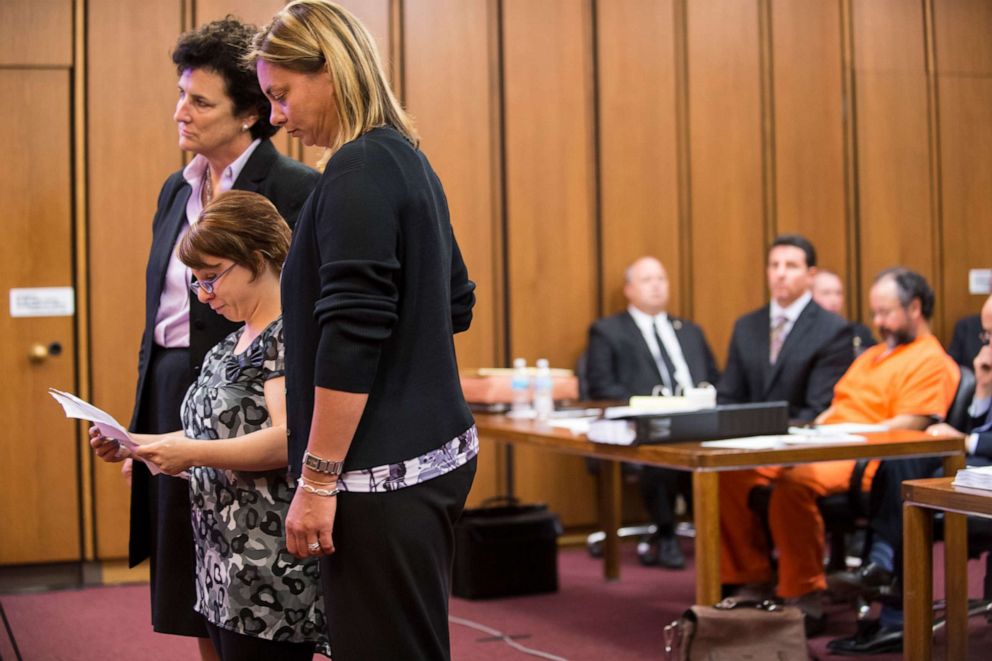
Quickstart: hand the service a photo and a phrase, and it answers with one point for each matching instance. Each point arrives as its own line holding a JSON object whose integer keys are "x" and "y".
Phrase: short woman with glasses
{"x": 222, "y": 121}
{"x": 258, "y": 600}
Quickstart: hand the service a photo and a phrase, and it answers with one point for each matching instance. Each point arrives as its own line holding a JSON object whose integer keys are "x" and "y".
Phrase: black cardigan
{"x": 373, "y": 290}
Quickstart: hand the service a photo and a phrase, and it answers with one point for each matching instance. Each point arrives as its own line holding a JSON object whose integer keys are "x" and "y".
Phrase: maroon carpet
{"x": 588, "y": 619}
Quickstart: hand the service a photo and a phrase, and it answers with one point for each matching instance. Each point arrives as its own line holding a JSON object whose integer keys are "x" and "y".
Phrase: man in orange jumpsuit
{"x": 906, "y": 382}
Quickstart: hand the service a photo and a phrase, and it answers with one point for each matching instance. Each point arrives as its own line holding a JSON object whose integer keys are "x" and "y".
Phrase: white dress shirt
{"x": 647, "y": 325}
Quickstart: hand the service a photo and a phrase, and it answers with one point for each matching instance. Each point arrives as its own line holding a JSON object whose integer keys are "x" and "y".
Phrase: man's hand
{"x": 944, "y": 429}
{"x": 983, "y": 373}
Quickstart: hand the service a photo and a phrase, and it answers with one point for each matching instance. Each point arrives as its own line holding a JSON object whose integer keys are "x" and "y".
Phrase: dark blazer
{"x": 982, "y": 426}
{"x": 287, "y": 184}
{"x": 816, "y": 353}
{"x": 965, "y": 344}
{"x": 619, "y": 363}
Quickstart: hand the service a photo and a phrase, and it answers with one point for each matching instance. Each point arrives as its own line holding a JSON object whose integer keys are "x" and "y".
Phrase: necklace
{"x": 208, "y": 187}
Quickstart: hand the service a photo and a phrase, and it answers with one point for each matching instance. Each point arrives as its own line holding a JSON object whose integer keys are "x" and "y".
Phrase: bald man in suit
{"x": 632, "y": 353}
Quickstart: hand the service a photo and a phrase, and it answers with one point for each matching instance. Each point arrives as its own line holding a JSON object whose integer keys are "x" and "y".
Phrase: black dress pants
{"x": 161, "y": 527}
{"x": 659, "y": 487}
{"x": 386, "y": 585}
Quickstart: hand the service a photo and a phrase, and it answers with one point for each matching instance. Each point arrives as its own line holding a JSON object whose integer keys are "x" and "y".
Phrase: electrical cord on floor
{"x": 505, "y": 638}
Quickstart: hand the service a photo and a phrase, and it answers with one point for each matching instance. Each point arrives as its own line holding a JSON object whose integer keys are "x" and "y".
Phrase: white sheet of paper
{"x": 108, "y": 426}
{"x": 749, "y": 443}
{"x": 574, "y": 425}
{"x": 846, "y": 428}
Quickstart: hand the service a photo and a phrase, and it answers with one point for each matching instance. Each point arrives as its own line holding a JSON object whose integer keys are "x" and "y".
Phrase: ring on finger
{"x": 314, "y": 548}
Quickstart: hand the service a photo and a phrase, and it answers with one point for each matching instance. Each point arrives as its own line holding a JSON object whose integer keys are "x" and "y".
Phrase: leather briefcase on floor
{"x": 504, "y": 548}
{"x": 738, "y": 631}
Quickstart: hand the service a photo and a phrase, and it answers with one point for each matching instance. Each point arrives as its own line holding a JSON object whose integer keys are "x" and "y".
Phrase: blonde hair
{"x": 308, "y": 36}
{"x": 241, "y": 226}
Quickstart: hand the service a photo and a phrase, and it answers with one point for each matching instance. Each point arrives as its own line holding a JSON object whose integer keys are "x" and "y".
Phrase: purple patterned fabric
{"x": 389, "y": 477}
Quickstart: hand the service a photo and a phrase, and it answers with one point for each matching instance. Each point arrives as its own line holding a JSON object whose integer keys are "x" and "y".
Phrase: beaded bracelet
{"x": 315, "y": 491}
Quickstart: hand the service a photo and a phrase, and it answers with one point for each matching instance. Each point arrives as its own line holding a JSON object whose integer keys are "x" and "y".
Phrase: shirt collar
{"x": 194, "y": 171}
{"x": 643, "y": 319}
{"x": 791, "y": 312}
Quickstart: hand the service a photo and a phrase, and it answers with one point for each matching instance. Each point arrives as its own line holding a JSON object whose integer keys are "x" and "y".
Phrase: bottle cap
{"x": 519, "y": 362}
{"x": 542, "y": 362}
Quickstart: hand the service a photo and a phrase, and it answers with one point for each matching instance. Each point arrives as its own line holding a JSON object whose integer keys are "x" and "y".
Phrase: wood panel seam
{"x": 683, "y": 155}
{"x": 936, "y": 184}
{"x": 767, "y": 82}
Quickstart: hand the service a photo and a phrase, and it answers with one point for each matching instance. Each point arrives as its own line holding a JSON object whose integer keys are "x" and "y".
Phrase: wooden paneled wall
{"x": 576, "y": 135}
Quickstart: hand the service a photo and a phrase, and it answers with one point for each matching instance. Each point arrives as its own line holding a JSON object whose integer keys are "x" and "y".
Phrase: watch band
{"x": 326, "y": 466}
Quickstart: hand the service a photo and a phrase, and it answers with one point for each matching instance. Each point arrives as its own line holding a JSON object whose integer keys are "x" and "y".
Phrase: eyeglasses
{"x": 208, "y": 284}
{"x": 985, "y": 337}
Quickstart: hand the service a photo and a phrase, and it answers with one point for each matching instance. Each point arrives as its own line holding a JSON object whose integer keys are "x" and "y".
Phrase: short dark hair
{"x": 221, "y": 47}
{"x": 797, "y": 241}
{"x": 910, "y": 285}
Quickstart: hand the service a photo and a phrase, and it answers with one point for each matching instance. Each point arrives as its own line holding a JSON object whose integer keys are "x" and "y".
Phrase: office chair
{"x": 629, "y": 472}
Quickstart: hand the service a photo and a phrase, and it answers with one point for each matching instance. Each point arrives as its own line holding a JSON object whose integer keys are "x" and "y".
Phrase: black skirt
{"x": 161, "y": 528}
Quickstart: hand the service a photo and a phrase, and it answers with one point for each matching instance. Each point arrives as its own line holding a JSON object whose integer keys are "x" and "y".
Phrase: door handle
{"x": 39, "y": 353}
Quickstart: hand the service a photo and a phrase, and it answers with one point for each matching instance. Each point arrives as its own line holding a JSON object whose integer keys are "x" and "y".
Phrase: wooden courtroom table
{"x": 705, "y": 464}
{"x": 921, "y": 498}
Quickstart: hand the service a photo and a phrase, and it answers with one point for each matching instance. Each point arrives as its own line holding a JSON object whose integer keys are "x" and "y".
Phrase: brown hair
{"x": 241, "y": 226}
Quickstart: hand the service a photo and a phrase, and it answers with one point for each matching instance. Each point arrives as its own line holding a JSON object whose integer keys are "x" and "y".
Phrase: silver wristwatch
{"x": 325, "y": 466}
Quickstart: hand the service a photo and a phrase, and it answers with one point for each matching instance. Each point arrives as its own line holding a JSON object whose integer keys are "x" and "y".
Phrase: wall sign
{"x": 980, "y": 281}
{"x": 42, "y": 302}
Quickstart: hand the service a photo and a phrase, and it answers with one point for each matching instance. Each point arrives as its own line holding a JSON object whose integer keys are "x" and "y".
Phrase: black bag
{"x": 504, "y": 548}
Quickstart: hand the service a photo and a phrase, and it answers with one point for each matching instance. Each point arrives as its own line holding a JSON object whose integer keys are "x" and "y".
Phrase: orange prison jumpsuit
{"x": 918, "y": 378}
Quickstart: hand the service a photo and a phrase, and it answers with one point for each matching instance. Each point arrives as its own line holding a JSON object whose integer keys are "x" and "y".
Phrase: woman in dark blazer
{"x": 222, "y": 117}
{"x": 373, "y": 290}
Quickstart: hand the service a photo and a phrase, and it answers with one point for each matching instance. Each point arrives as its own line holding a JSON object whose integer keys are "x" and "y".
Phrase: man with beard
{"x": 879, "y": 576}
{"x": 905, "y": 382}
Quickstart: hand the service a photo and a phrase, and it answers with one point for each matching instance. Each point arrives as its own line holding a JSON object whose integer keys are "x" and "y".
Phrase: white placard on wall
{"x": 42, "y": 302}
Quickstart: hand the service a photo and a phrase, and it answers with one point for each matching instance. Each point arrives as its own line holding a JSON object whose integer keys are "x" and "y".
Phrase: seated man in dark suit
{"x": 828, "y": 292}
{"x": 632, "y": 352}
{"x": 791, "y": 350}
{"x": 878, "y": 577}
{"x": 965, "y": 343}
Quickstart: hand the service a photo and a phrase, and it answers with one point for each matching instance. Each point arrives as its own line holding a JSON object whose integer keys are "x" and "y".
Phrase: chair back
{"x": 957, "y": 414}
{"x": 580, "y": 374}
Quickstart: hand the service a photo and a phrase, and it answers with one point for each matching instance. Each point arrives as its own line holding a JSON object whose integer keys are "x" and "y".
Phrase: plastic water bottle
{"x": 520, "y": 385}
{"x": 544, "y": 403}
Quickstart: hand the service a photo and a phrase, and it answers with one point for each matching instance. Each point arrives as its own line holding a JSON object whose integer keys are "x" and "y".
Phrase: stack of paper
{"x": 613, "y": 432}
{"x": 976, "y": 477}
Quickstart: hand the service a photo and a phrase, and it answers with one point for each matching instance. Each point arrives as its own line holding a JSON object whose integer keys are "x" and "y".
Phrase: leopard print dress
{"x": 246, "y": 579}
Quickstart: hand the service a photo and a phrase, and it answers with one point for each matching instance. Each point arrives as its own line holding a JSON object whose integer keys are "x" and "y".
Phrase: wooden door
{"x": 39, "y": 494}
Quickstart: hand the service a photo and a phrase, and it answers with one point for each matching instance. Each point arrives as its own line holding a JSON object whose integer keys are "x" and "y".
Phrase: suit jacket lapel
{"x": 803, "y": 325}
{"x": 696, "y": 368}
{"x": 162, "y": 250}
{"x": 257, "y": 167}
{"x": 637, "y": 337}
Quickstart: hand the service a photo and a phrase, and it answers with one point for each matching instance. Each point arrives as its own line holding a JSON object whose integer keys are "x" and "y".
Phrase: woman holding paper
{"x": 258, "y": 600}
{"x": 222, "y": 119}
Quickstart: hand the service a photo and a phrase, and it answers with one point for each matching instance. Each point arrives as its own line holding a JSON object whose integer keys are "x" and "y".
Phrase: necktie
{"x": 665, "y": 365}
{"x": 777, "y": 338}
